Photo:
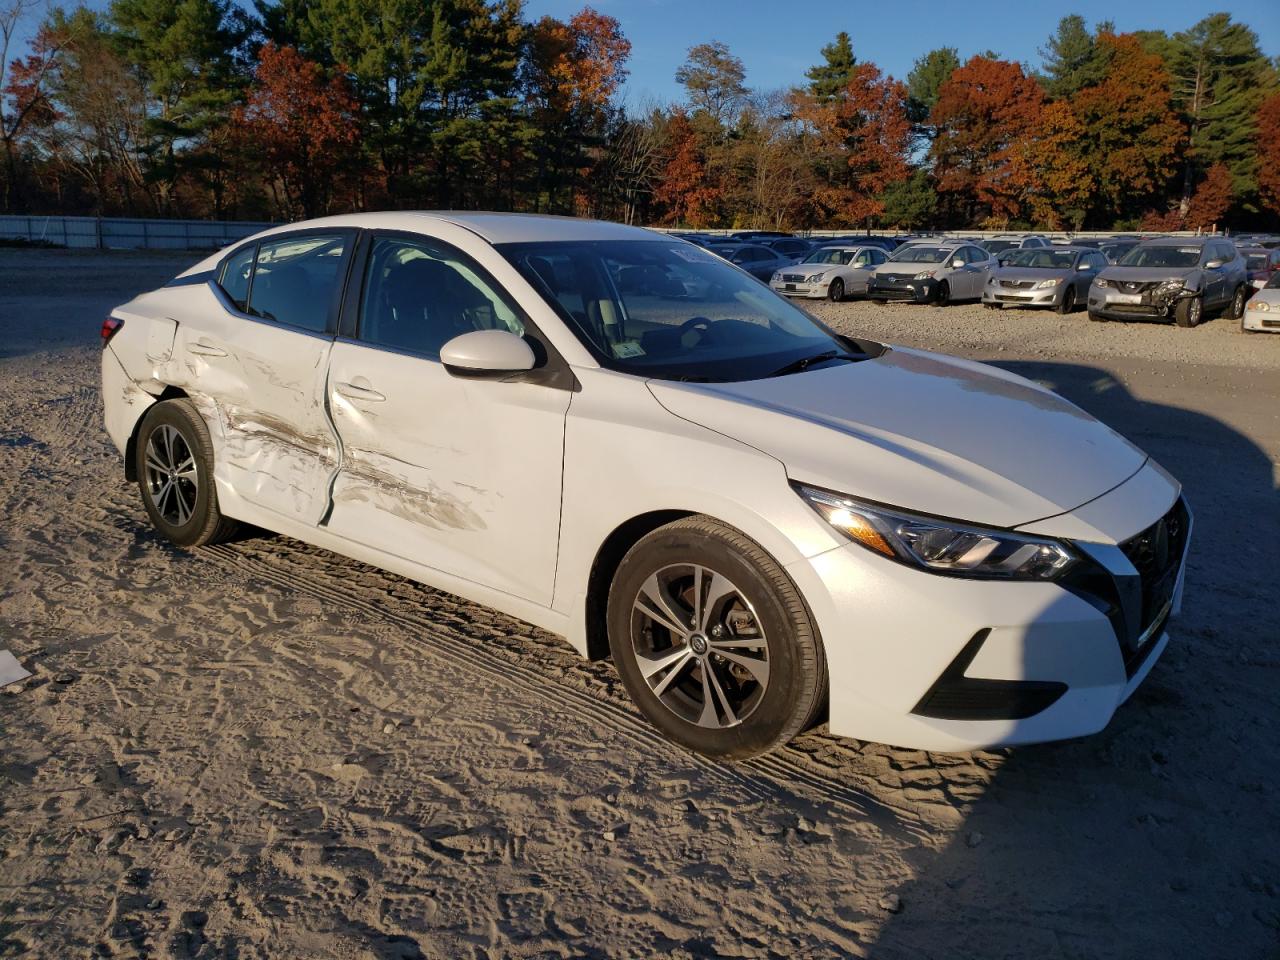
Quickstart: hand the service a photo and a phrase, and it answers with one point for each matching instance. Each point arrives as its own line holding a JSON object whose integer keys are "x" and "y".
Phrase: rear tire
{"x": 835, "y": 292}
{"x": 1235, "y": 309}
{"x": 1188, "y": 312}
{"x": 729, "y": 663}
{"x": 174, "y": 462}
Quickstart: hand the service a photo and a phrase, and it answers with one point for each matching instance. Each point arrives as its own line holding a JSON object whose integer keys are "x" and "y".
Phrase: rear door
{"x": 255, "y": 362}
{"x": 458, "y": 474}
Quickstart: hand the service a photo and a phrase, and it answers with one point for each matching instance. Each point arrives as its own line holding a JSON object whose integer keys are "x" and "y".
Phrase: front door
{"x": 458, "y": 474}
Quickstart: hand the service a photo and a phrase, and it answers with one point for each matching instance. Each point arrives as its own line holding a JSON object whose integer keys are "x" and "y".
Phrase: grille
{"x": 1134, "y": 286}
{"x": 1018, "y": 284}
{"x": 1156, "y": 553}
{"x": 1141, "y": 309}
{"x": 793, "y": 277}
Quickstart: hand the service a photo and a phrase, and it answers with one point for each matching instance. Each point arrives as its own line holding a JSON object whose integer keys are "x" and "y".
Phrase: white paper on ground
{"x": 10, "y": 669}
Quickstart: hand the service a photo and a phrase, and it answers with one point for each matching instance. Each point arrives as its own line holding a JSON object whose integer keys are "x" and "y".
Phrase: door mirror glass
{"x": 1214, "y": 264}
{"x": 1084, "y": 265}
{"x": 957, "y": 262}
{"x": 487, "y": 353}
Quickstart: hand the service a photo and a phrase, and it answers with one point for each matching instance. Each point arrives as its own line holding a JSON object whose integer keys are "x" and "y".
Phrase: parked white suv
{"x": 625, "y": 440}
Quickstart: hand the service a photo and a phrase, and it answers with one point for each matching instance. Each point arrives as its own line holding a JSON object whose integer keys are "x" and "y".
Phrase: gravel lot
{"x": 265, "y": 750}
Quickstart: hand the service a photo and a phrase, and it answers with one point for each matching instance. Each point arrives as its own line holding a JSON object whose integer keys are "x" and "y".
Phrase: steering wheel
{"x": 695, "y": 323}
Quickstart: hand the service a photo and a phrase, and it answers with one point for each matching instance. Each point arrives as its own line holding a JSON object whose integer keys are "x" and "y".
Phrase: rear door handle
{"x": 202, "y": 349}
{"x": 359, "y": 391}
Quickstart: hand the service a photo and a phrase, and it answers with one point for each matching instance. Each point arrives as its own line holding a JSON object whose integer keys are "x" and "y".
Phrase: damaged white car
{"x": 625, "y": 440}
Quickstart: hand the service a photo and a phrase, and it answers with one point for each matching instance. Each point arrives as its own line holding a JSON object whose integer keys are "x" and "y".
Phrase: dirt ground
{"x": 265, "y": 750}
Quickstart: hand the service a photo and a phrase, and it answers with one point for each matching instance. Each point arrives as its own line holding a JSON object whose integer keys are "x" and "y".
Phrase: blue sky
{"x": 778, "y": 41}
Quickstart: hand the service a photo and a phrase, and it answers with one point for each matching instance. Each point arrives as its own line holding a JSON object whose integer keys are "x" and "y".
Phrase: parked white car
{"x": 1262, "y": 312}
{"x": 761, "y": 521}
{"x": 829, "y": 273}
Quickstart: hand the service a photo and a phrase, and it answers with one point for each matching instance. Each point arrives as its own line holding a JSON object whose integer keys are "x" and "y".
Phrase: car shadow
{"x": 1153, "y": 837}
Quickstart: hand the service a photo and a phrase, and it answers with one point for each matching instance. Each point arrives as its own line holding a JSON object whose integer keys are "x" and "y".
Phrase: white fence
{"x": 110, "y": 233}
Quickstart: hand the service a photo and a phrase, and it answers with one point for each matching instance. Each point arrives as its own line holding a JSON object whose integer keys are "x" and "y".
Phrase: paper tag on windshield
{"x": 626, "y": 349}
{"x": 691, "y": 253}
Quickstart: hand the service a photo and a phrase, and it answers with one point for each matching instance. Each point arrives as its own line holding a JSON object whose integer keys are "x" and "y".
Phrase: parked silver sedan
{"x": 1056, "y": 277}
{"x": 831, "y": 273}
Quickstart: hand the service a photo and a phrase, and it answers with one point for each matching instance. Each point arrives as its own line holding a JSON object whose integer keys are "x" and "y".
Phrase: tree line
{"x": 298, "y": 108}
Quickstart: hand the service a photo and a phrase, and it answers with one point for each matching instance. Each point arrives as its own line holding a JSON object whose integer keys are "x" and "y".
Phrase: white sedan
{"x": 1262, "y": 312}
{"x": 622, "y": 439}
{"x": 829, "y": 273}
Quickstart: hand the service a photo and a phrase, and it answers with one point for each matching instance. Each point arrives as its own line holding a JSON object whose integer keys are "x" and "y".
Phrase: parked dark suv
{"x": 1172, "y": 278}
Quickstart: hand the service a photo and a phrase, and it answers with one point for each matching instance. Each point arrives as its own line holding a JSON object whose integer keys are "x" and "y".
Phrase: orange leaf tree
{"x": 863, "y": 136}
{"x": 684, "y": 188}
{"x": 1269, "y": 153}
{"x": 984, "y": 111}
{"x": 302, "y": 126}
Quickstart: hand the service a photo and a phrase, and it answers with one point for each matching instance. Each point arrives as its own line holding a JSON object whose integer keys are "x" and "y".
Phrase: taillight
{"x": 110, "y": 327}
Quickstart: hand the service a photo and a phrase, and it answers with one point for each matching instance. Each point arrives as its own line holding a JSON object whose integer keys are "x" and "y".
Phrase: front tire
{"x": 713, "y": 641}
{"x": 1097, "y": 317}
{"x": 1068, "y": 301}
{"x": 943, "y": 297}
{"x": 1189, "y": 311}
{"x": 835, "y": 292}
{"x": 174, "y": 461}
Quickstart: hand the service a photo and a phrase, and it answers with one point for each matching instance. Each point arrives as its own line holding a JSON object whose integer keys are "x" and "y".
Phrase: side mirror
{"x": 957, "y": 263}
{"x": 1214, "y": 264}
{"x": 1084, "y": 266}
{"x": 487, "y": 353}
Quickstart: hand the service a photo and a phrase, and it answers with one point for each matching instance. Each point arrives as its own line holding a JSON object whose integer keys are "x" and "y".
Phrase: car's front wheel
{"x": 835, "y": 292}
{"x": 1189, "y": 311}
{"x": 943, "y": 296}
{"x": 713, "y": 640}
{"x": 1068, "y": 302}
{"x": 174, "y": 461}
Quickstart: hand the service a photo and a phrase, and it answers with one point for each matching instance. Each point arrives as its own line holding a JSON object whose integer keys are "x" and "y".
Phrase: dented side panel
{"x": 459, "y": 475}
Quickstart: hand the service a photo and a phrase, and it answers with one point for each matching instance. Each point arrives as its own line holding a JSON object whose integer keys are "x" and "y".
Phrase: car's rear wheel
{"x": 1068, "y": 302}
{"x": 1188, "y": 312}
{"x": 835, "y": 292}
{"x": 713, "y": 640}
{"x": 174, "y": 461}
{"x": 1236, "y": 308}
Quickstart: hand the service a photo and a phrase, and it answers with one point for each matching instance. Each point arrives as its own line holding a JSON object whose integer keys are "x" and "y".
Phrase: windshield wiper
{"x": 804, "y": 363}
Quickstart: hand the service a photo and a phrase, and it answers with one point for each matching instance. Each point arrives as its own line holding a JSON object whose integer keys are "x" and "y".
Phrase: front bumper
{"x": 1262, "y": 320}
{"x": 1020, "y": 297}
{"x": 938, "y": 663}
{"x": 1115, "y": 304}
{"x": 914, "y": 291}
{"x": 799, "y": 288}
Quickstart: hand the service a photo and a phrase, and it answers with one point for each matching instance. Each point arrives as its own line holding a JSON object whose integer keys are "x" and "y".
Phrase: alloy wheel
{"x": 699, "y": 645}
{"x": 172, "y": 481}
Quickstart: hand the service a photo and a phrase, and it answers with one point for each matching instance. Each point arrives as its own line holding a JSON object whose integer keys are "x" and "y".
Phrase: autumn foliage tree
{"x": 984, "y": 111}
{"x": 862, "y": 134}
{"x": 1268, "y": 145}
{"x": 302, "y": 125}
{"x": 683, "y": 187}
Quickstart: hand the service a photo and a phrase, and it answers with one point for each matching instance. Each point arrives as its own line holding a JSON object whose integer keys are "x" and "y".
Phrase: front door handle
{"x": 359, "y": 391}
{"x": 202, "y": 349}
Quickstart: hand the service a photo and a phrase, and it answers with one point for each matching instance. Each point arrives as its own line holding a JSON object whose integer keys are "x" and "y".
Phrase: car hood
{"x": 1147, "y": 274}
{"x": 921, "y": 431}
{"x": 1033, "y": 273}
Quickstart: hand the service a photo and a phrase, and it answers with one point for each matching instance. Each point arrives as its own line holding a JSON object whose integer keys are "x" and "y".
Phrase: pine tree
{"x": 924, "y": 81}
{"x": 830, "y": 78}
{"x": 1072, "y": 58}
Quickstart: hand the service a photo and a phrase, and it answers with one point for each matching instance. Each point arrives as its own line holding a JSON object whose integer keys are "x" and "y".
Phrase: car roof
{"x": 493, "y": 227}
{"x": 1178, "y": 241}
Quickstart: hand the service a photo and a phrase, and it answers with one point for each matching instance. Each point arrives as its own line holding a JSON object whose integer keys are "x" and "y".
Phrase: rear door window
{"x": 296, "y": 280}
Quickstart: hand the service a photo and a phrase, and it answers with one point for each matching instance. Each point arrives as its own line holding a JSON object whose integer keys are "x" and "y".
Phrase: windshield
{"x": 917, "y": 254}
{"x": 1256, "y": 261}
{"x": 1050, "y": 259}
{"x": 1161, "y": 256}
{"x": 995, "y": 246}
{"x": 669, "y": 310}
{"x": 829, "y": 256}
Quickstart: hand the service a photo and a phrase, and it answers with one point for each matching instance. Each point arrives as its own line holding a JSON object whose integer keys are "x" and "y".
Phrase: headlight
{"x": 814, "y": 277}
{"x": 1260, "y": 305}
{"x": 942, "y": 546}
{"x": 1101, "y": 282}
{"x": 1174, "y": 285}
{"x": 925, "y": 275}
{"x": 1045, "y": 284}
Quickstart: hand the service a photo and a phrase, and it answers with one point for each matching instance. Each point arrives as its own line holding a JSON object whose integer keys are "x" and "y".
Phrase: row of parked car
{"x": 1178, "y": 279}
